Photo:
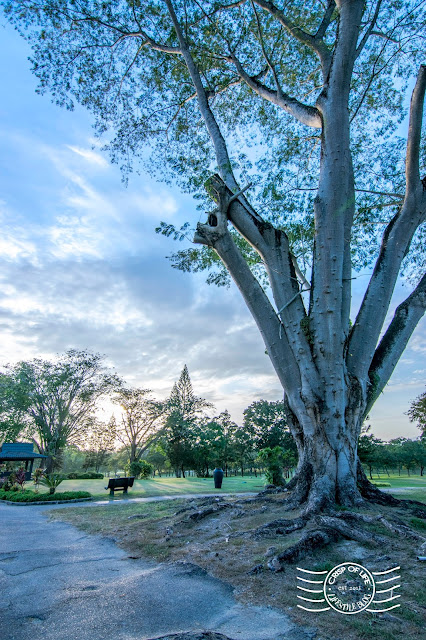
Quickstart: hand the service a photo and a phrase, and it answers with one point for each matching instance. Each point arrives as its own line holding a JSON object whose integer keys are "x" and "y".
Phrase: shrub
{"x": 382, "y": 484}
{"x": 273, "y": 461}
{"x": 51, "y": 480}
{"x": 30, "y": 496}
{"x": 140, "y": 469}
{"x": 85, "y": 475}
{"x": 20, "y": 477}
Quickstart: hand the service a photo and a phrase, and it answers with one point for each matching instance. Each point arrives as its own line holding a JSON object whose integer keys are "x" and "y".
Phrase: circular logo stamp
{"x": 349, "y": 588}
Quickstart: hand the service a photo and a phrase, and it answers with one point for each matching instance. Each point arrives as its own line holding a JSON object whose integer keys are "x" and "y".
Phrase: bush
{"x": 30, "y": 496}
{"x": 85, "y": 475}
{"x": 273, "y": 461}
{"x": 140, "y": 469}
{"x": 382, "y": 484}
{"x": 51, "y": 480}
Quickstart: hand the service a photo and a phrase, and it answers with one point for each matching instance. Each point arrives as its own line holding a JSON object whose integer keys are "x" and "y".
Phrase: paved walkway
{"x": 57, "y": 583}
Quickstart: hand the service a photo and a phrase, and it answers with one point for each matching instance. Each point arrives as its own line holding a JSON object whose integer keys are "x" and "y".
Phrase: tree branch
{"x": 412, "y": 171}
{"x": 304, "y": 113}
{"x": 279, "y": 263}
{"x": 269, "y": 325}
{"x": 326, "y": 20}
{"x": 395, "y": 340}
{"x": 222, "y": 156}
{"x": 369, "y": 30}
{"x": 395, "y": 246}
{"x": 308, "y": 39}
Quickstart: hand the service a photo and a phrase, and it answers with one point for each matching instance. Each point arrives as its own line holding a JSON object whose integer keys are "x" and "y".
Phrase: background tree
{"x": 417, "y": 413}
{"x": 419, "y": 454}
{"x": 55, "y": 400}
{"x": 13, "y": 418}
{"x": 156, "y": 456}
{"x": 244, "y": 447}
{"x": 369, "y": 451}
{"x": 222, "y": 443}
{"x": 331, "y": 185}
{"x": 140, "y": 425}
{"x": 272, "y": 459}
{"x": 184, "y": 409}
{"x": 99, "y": 443}
{"x": 267, "y": 421}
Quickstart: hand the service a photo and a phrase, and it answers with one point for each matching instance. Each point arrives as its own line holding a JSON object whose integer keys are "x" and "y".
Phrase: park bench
{"x": 119, "y": 484}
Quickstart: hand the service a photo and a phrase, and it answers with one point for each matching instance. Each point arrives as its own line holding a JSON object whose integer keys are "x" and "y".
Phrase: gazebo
{"x": 19, "y": 451}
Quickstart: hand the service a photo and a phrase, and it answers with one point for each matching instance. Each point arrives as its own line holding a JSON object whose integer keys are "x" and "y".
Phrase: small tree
{"x": 140, "y": 469}
{"x": 156, "y": 456}
{"x": 417, "y": 413}
{"x": 51, "y": 480}
{"x": 140, "y": 425}
{"x": 273, "y": 461}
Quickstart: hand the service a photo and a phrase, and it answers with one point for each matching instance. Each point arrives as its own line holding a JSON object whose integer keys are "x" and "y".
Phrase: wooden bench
{"x": 119, "y": 484}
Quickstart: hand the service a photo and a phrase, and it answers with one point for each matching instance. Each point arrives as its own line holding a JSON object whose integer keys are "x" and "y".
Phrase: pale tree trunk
{"x": 331, "y": 375}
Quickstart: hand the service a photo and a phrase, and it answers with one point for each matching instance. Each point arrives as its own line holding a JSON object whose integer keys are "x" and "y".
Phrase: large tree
{"x": 140, "y": 424}
{"x": 303, "y": 100}
{"x": 184, "y": 412}
{"x": 54, "y": 402}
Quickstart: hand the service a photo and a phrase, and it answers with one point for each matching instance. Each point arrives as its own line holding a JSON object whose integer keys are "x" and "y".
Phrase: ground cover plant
{"x": 31, "y": 496}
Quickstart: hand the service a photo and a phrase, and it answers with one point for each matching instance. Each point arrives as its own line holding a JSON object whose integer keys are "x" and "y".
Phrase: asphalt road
{"x": 57, "y": 583}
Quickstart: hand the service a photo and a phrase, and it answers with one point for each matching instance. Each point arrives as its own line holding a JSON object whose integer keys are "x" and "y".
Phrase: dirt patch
{"x": 229, "y": 539}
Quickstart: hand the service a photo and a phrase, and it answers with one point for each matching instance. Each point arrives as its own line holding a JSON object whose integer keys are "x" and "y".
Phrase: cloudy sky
{"x": 81, "y": 267}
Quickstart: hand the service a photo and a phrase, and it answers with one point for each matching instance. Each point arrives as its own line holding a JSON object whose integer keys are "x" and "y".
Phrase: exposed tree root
{"x": 203, "y": 513}
{"x": 395, "y": 524}
{"x": 280, "y": 527}
{"x": 317, "y": 519}
{"x": 372, "y": 493}
{"x": 349, "y": 532}
{"x": 308, "y": 542}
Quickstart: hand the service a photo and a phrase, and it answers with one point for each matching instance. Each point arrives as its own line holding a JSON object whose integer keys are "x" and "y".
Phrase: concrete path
{"x": 57, "y": 583}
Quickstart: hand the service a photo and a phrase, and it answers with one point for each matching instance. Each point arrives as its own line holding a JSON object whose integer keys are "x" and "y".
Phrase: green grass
{"x": 413, "y": 487}
{"x": 409, "y": 487}
{"x": 166, "y": 486}
{"x": 401, "y": 481}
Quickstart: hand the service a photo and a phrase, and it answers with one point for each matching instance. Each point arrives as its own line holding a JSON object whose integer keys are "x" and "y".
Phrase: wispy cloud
{"x": 90, "y": 155}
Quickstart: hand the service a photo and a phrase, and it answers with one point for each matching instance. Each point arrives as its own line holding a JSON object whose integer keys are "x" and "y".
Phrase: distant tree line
{"x": 55, "y": 405}
{"x": 397, "y": 455}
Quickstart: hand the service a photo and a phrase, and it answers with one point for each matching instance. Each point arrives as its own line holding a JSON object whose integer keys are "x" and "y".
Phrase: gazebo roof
{"x": 18, "y": 451}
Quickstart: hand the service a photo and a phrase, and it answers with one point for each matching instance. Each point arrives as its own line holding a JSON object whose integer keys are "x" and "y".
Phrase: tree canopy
{"x": 417, "y": 412}
{"x": 139, "y": 426}
{"x": 53, "y": 402}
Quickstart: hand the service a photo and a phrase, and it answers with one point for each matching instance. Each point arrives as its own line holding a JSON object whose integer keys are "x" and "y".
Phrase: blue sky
{"x": 81, "y": 267}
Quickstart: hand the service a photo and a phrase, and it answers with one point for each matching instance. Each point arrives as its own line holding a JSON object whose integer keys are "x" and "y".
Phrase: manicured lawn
{"x": 402, "y": 481}
{"x": 413, "y": 487}
{"x": 166, "y": 486}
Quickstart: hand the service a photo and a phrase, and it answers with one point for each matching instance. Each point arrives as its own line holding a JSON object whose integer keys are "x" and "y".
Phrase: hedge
{"x": 85, "y": 475}
{"x": 30, "y": 496}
